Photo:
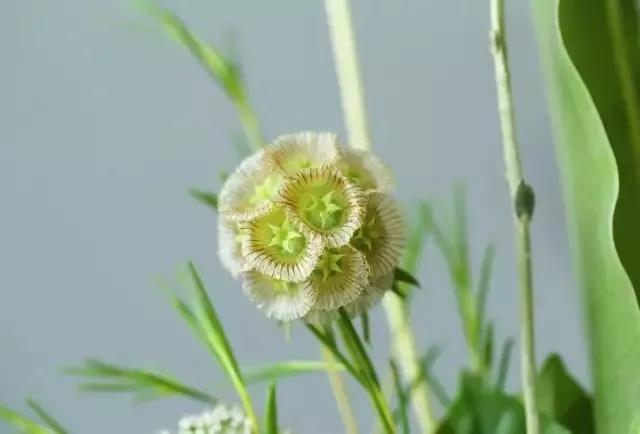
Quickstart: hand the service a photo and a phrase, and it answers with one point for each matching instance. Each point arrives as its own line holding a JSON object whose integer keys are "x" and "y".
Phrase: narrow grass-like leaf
{"x": 404, "y": 276}
{"x": 205, "y": 197}
{"x": 222, "y": 69}
{"x": 568, "y": 31}
{"x": 487, "y": 345}
{"x": 356, "y": 347}
{"x": 329, "y": 343}
{"x": 49, "y": 420}
{"x": 401, "y": 414}
{"x": 291, "y": 368}
{"x": 484, "y": 282}
{"x": 426, "y": 373}
{"x": 366, "y": 329}
{"x": 105, "y": 377}
{"x": 26, "y": 425}
{"x": 210, "y": 324}
{"x": 271, "y": 412}
{"x": 503, "y": 367}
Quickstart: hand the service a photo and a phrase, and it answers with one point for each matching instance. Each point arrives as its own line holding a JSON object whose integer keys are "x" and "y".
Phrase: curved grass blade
{"x": 205, "y": 197}
{"x": 108, "y": 378}
{"x": 401, "y": 414}
{"x": 26, "y": 425}
{"x": 590, "y": 182}
{"x": 49, "y": 421}
{"x": 271, "y": 412}
{"x": 503, "y": 367}
{"x": 291, "y": 368}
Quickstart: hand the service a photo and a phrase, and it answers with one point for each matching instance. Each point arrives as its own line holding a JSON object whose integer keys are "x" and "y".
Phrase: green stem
{"x": 352, "y": 97}
{"x": 522, "y": 195}
{"x": 249, "y": 121}
{"x": 340, "y": 394}
{"x": 347, "y": 66}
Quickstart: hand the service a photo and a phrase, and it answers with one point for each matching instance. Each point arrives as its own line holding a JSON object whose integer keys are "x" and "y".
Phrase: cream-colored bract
{"x": 366, "y": 170}
{"x": 370, "y": 296}
{"x": 294, "y": 152}
{"x": 272, "y": 246}
{"x": 230, "y": 247}
{"x": 339, "y": 277}
{"x": 382, "y": 236}
{"x": 278, "y": 299}
{"x": 323, "y": 204}
{"x": 249, "y": 190}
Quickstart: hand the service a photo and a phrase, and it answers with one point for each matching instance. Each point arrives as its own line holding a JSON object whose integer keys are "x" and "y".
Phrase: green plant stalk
{"x": 625, "y": 72}
{"x": 249, "y": 121}
{"x": 352, "y": 97}
{"x": 340, "y": 393}
{"x": 522, "y": 196}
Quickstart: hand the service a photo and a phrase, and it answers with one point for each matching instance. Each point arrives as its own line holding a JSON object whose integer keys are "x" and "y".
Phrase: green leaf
{"x": 609, "y": 32}
{"x": 484, "y": 283}
{"x": 209, "y": 323}
{"x": 402, "y": 413}
{"x": 330, "y": 344}
{"x": 52, "y": 423}
{"x": 404, "y": 276}
{"x": 562, "y": 399}
{"x": 108, "y": 378}
{"x": 482, "y": 409}
{"x": 24, "y": 424}
{"x": 590, "y": 181}
{"x": 271, "y": 412}
{"x": 503, "y": 367}
{"x": 290, "y": 368}
{"x": 207, "y": 198}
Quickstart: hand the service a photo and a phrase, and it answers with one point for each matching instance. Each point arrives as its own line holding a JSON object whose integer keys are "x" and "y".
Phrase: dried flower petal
{"x": 382, "y": 235}
{"x": 273, "y": 245}
{"x": 230, "y": 247}
{"x": 324, "y": 204}
{"x": 339, "y": 277}
{"x": 295, "y": 152}
{"x": 366, "y": 170}
{"x": 249, "y": 190}
{"x": 279, "y": 299}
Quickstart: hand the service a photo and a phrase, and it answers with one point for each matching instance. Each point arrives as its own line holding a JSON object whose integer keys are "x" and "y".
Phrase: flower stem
{"x": 522, "y": 196}
{"x": 340, "y": 394}
{"x": 347, "y": 66}
{"x": 352, "y": 97}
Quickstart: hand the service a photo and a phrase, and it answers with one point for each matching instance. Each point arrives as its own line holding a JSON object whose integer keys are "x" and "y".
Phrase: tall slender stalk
{"x": 523, "y": 198}
{"x": 340, "y": 393}
{"x": 352, "y": 96}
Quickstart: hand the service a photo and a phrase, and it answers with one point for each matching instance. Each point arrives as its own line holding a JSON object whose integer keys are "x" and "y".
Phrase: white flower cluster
{"x": 220, "y": 420}
{"x": 310, "y": 227}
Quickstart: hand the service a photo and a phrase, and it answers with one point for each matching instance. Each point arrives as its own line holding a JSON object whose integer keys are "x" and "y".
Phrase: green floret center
{"x": 330, "y": 264}
{"x": 286, "y": 238}
{"x": 322, "y": 210}
{"x": 266, "y": 190}
{"x": 366, "y": 236}
{"x": 285, "y": 287}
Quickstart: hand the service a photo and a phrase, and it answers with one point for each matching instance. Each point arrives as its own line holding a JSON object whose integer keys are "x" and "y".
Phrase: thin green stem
{"x": 340, "y": 393}
{"x": 352, "y": 97}
{"x": 343, "y": 41}
{"x": 249, "y": 121}
{"x": 522, "y": 195}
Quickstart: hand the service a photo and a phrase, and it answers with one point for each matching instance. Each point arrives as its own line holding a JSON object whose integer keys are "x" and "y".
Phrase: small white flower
{"x": 279, "y": 299}
{"x": 295, "y": 152}
{"x": 230, "y": 247}
{"x": 221, "y": 419}
{"x": 366, "y": 170}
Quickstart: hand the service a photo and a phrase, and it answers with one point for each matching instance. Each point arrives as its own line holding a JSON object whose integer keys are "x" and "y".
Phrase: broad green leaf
{"x": 108, "y": 378}
{"x": 49, "y": 420}
{"x": 562, "y": 399}
{"x": 607, "y": 30}
{"x": 205, "y": 197}
{"x": 590, "y": 182}
{"x": 290, "y": 368}
{"x": 482, "y": 409}
{"x": 22, "y": 423}
{"x": 271, "y": 411}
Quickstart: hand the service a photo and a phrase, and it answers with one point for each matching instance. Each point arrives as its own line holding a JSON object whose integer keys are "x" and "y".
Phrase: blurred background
{"x": 105, "y": 124}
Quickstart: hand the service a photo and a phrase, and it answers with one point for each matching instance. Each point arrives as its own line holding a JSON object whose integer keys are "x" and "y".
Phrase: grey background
{"x": 105, "y": 124}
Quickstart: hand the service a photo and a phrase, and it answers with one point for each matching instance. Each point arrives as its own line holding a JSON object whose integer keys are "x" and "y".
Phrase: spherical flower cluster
{"x": 310, "y": 227}
{"x": 221, "y": 419}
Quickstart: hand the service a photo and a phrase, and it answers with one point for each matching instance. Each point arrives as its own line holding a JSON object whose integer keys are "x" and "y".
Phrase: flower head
{"x": 221, "y": 419}
{"x": 310, "y": 228}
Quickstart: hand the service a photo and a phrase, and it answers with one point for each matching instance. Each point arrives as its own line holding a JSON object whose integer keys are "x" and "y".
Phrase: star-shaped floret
{"x": 285, "y": 236}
